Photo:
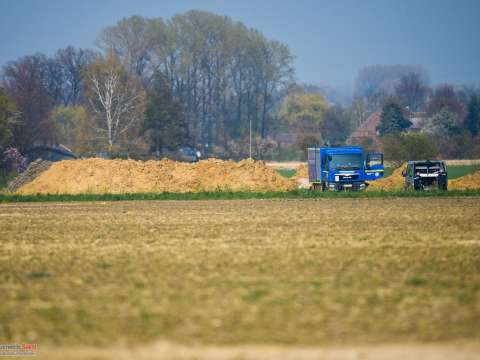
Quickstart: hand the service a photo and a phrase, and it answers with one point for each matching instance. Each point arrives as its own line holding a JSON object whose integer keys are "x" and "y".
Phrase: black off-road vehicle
{"x": 426, "y": 175}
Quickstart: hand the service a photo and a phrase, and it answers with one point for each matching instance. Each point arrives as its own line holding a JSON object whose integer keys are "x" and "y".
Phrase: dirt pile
{"x": 393, "y": 182}
{"x": 31, "y": 173}
{"x": 99, "y": 176}
{"x": 467, "y": 182}
{"x": 301, "y": 177}
{"x": 302, "y": 172}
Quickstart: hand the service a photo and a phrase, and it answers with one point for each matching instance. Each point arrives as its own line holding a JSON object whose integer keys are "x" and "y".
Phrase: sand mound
{"x": 302, "y": 171}
{"x": 99, "y": 176}
{"x": 301, "y": 177}
{"x": 467, "y": 182}
{"x": 394, "y": 182}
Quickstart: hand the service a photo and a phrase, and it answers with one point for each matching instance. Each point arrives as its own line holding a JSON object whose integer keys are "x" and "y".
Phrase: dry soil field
{"x": 231, "y": 277}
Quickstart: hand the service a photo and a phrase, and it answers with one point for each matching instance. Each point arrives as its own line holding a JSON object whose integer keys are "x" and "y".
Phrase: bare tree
{"x": 24, "y": 82}
{"x": 376, "y": 82}
{"x": 116, "y": 101}
{"x": 225, "y": 75}
{"x": 131, "y": 41}
{"x": 412, "y": 91}
{"x": 358, "y": 111}
{"x": 445, "y": 96}
{"x": 72, "y": 64}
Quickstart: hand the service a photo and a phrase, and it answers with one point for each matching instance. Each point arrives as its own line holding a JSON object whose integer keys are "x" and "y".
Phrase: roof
{"x": 368, "y": 129}
{"x": 49, "y": 153}
{"x": 425, "y": 161}
{"x": 59, "y": 150}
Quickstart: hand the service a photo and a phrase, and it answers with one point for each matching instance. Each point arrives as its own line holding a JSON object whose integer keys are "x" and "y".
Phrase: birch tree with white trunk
{"x": 116, "y": 101}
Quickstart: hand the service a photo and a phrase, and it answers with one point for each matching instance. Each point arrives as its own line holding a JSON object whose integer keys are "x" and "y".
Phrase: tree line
{"x": 447, "y": 123}
{"x": 204, "y": 78}
{"x": 417, "y": 120}
{"x": 209, "y": 82}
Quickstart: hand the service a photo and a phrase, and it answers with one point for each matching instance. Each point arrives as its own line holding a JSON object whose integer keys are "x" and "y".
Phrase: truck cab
{"x": 343, "y": 168}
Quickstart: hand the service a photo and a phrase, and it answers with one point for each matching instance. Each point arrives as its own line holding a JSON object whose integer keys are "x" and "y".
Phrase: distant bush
{"x": 410, "y": 146}
{"x": 16, "y": 158}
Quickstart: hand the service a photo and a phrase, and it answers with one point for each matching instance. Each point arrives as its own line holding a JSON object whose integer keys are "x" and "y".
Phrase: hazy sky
{"x": 331, "y": 39}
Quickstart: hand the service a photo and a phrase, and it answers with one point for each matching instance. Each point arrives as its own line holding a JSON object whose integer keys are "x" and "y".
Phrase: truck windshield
{"x": 429, "y": 167}
{"x": 346, "y": 161}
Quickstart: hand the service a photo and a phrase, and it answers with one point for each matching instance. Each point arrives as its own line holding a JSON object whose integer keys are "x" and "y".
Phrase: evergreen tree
{"x": 164, "y": 122}
{"x": 392, "y": 119}
{"x": 472, "y": 121}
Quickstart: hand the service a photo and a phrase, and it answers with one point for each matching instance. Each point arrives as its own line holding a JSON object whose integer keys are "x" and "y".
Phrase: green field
{"x": 292, "y": 272}
{"x": 288, "y": 173}
{"x": 454, "y": 171}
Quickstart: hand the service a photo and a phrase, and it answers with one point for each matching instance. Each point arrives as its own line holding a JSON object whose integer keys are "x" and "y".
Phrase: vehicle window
{"x": 187, "y": 151}
{"x": 346, "y": 161}
{"x": 375, "y": 159}
{"x": 424, "y": 168}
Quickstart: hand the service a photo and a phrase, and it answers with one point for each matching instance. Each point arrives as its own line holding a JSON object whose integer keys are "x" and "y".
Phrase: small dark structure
{"x": 49, "y": 153}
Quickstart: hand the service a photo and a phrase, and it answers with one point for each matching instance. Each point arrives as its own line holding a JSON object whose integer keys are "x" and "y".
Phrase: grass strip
{"x": 287, "y": 173}
{"x": 224, "y": 195}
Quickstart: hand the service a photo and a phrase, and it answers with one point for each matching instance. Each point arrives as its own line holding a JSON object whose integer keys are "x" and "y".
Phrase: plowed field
{"x": 327, "y": 272}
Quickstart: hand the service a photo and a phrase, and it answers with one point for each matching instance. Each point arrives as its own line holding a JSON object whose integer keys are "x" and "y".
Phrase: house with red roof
{"x": 367, "y": 131}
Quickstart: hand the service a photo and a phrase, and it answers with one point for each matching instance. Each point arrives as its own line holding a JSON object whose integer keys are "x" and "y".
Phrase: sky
{"x": 330, "y": 39}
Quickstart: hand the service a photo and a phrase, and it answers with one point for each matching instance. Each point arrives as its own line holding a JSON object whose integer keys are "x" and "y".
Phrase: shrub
{"x": 14, "y": 156}
{"x": 410, "y": 146}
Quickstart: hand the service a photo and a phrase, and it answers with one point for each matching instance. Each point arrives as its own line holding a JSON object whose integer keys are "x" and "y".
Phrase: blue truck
{"x": 343, "y": 168}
